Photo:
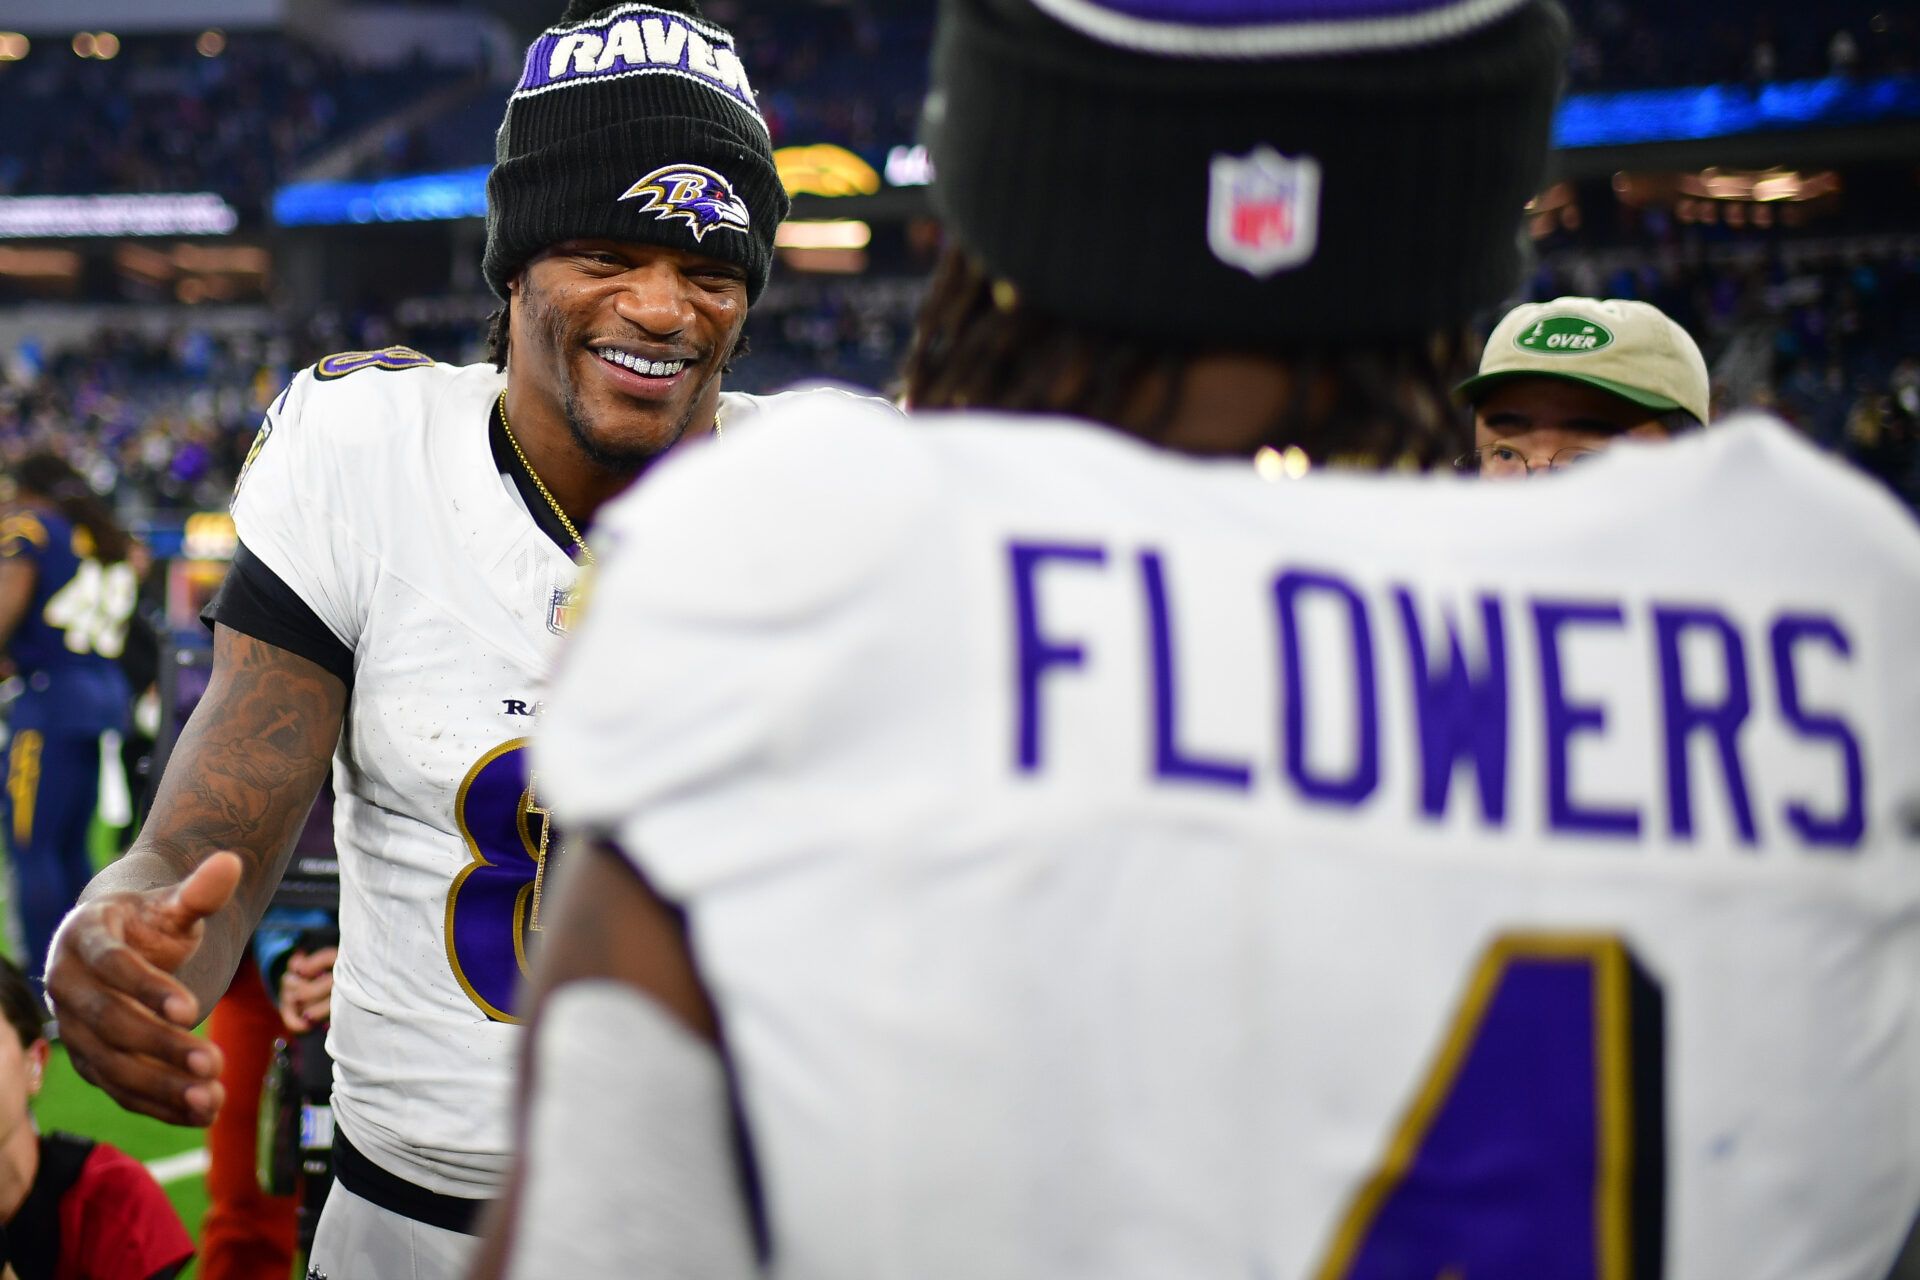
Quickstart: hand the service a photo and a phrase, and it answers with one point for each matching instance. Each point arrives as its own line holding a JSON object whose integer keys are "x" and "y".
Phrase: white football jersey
{"x": 1113, "y": 864}
{"x": 373, "y": 493}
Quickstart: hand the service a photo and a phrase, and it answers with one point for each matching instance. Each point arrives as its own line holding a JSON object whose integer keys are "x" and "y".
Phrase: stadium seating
{"x": 161, "y": 116}
{"x": 1823, "y": 324}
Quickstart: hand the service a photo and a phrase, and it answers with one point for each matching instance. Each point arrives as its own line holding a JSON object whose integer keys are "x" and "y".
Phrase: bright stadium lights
{"x": 101, "y": 45}
{"x": 1273, "y": 464}
{"x": 909, "y": 166}
{"x": 147, "y": 265}
{"x": 424, "y": 197}
{"x": 209, "y": 535}
{"x": 212, "y": 43}
{"x": 840, "y": 234}
{"x": 824, "y": 170}
{"x": 45, "y": 264}
{"x": 833, "y": 247}
{"x": 1695, "y": 112}
{"x": 239, "y": 260}
{"x": 201, "y": 213}
{"x": 1735, "y": 197}
{"x": 13, "y": 46}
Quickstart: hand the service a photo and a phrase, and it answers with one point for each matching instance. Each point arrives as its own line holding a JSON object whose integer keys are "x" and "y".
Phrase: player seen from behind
{"x": 1099, "y": 860}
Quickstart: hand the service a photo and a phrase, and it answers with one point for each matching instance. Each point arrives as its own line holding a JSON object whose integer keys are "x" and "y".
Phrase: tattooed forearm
{"x": 242, "y": 777}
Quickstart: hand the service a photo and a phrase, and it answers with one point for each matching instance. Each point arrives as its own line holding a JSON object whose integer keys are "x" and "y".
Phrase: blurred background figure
{"x": 74, "y": 1209}
{"x": 259, "y": 1217}
{"x": 1559, "y": 381}
{"x": 248, "y": 1232}
{"x": 67, "y": 591}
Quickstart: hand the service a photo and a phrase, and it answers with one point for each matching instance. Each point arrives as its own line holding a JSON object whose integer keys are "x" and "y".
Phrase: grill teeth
{"x": 652, "y": 368}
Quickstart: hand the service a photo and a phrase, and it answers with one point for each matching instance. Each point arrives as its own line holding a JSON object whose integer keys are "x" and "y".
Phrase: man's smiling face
{"x": 628, "y": 340}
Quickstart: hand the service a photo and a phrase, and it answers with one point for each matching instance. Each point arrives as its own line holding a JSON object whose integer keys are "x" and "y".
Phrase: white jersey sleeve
{"x": 295, "y": 504}
{"x": 760, "y": 615}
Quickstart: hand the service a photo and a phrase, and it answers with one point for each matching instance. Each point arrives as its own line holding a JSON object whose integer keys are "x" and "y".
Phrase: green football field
{"x": 177, "y": 1156}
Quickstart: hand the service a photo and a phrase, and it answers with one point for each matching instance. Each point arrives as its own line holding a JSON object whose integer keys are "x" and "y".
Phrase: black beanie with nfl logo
{"x": 634, "y": 122}
{"x": 1294, "y": 170}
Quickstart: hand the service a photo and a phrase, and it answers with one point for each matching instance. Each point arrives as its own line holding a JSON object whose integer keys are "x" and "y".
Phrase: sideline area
{"x": 176, "y": 1156}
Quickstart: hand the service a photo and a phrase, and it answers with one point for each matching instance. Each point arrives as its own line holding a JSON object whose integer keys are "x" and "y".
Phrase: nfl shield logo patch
{"x": 560, "y": 610}
{"x": 1263, "y": 210}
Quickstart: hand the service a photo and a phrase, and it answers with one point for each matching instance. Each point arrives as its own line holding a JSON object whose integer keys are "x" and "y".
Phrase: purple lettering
{"x": 1359, "y": 783}
{"x": 1462, "y": 713}
{"x": 1170, "y": 760}
{"x": 1564, "y": 719}
{"x": 1684, "y": 716}
{"x": 1844, "y": 829}
{"x": 1035, "y": 652}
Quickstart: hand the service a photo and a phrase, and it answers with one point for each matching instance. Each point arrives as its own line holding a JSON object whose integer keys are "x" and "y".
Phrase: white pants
{"x": 358, "y": 1240}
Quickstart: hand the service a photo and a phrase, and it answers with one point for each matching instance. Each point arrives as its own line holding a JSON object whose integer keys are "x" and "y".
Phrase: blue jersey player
{"x": 66, "y": 596}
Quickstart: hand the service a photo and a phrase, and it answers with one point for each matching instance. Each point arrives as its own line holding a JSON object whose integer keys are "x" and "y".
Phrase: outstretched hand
{"x": 126, "y": 1020}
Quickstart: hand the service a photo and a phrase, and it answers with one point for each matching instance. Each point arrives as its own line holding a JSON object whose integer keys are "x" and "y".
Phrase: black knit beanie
{"x": 633, "y": 122}
{"x": 1280, "y": 170}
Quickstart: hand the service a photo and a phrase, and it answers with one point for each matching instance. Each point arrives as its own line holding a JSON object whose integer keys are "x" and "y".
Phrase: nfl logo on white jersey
{"x": 1263, "y": 210}
{"x": 560, "y": 610}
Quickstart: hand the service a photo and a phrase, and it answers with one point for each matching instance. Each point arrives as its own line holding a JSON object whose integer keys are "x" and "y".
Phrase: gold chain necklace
{"x": 540, "y": 484}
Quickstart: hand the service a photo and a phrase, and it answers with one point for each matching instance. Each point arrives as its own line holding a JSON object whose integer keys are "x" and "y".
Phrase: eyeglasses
{"x": 1501, "y": 461}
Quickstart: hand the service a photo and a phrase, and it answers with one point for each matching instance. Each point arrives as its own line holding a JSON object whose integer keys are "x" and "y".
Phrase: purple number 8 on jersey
{"x": 494, "y": 900}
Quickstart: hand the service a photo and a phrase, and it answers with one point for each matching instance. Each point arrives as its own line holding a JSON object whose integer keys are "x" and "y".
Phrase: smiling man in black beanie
{"x": 1104, "y": 829}
{"x": 411, "y": 536}
{"x": 630, "y": 223}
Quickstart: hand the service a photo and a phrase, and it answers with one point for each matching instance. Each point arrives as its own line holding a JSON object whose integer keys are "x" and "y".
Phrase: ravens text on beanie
{"x": 634, "y": 122}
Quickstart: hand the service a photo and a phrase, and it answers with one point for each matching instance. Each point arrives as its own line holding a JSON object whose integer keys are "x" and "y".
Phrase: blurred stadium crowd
{"x": 1628, "y": 44}
{"x": 240, "y": 114}
{"x": 1829, "y": 340}
{"x": 1820, "y": 323}
{"x": 165, "y": 115}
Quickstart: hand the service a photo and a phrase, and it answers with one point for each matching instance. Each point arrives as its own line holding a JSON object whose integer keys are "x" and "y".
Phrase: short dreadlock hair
{"x": 1379, "y": 403}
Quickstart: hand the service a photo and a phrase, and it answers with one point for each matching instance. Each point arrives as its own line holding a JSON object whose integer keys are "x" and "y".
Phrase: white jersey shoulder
{"x": 333, "y": 412}
{"x": 834, "y": 519}
{"x": 328, "y": 481}
{"x": 738, "y": 408}
{"x": 1161, "y": 845}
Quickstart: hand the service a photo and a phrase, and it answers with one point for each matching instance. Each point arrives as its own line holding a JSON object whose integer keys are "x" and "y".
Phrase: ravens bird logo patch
{"x": 693, "y": 192}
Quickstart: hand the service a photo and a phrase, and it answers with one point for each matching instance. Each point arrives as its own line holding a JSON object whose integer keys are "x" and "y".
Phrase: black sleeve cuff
{"x": 255, "y": 602}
